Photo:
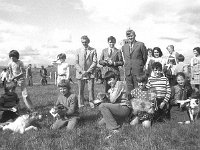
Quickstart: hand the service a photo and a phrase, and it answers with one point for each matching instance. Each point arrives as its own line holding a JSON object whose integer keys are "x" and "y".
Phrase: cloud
{"x": 8, "y": 7}
{"x": 173, "y": 39}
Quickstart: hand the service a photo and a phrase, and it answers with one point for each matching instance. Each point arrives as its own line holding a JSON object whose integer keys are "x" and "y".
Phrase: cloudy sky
{"x": 41, "y": 29}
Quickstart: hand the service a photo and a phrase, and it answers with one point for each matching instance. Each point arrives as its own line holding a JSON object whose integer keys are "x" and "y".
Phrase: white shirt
{"x": 4, "y": 75}
{"x": 63, "y": 69}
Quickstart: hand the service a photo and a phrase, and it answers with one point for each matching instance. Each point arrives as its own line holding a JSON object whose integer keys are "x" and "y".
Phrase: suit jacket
{"x": 86, "y": 63}
{"x": 134, "y": 59}
{"x": 116, "y": 57}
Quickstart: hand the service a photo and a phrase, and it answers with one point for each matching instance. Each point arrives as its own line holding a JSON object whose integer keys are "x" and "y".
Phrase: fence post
{"x": 55, "y": 78}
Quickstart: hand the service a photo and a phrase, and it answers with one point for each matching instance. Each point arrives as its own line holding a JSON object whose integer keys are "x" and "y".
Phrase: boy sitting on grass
{"x": 9, "y": 102}
{"x": 160, "y": 84}
{"x": 66, "y": 107}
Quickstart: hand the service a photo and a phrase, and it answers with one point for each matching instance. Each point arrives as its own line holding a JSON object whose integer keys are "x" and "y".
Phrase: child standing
{"x": 195, "y": 68}
{"x": 141, "y": 93}
{"x": 62, "y": 67}
{"x": 4, "y": 76}
{"x": 182, "y": 91}
{"x": 163, "y": 91}
{"x": 17, "y": 74}
{"x": 9, "y": 102}
{"x": 69, "y": 114}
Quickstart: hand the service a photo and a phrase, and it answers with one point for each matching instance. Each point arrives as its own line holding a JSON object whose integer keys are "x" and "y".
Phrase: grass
{"x": 89, "y": 136}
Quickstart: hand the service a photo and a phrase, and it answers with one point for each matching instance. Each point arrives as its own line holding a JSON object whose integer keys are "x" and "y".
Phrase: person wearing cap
{"x": 43, "y": 74}
{"x": 111, "y": 59}
{"x": 69, "y": 114}
{"x": 63, "y": 69}
{"x": 135, "y": 57}
{"x": 118, "y": 109}
{"x": 9, "y": 103}
{"x": 86, "y": 62}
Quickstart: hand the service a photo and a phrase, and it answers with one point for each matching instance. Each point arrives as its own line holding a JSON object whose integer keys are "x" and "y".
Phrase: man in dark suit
{"x": 86, "y": 62}
{"x": 135, "y": 57}
{"x": 111, "y": 59}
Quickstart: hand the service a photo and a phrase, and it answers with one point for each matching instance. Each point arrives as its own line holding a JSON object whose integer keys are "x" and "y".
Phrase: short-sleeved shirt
{"x": 16, "y": 68}
{"x": 70, "y": 102}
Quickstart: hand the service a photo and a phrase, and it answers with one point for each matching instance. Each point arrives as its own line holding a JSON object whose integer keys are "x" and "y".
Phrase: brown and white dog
{"x": 23, "y": 123}
{"x": 193, "y": 106}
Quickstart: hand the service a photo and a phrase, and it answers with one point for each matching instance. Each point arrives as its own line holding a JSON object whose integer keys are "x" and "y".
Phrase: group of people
{"x": 145, "y": 71}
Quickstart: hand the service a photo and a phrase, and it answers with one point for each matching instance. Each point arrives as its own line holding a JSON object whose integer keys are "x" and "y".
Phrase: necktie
{"x": 110, "y": 52}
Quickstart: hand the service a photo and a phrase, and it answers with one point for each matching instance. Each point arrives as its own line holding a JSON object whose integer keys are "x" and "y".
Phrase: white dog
{"x": 193, "y": 106}
{"x": 23, "y": 123}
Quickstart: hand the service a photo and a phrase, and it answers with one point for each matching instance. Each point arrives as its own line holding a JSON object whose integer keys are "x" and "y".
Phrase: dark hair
{"x": 180, "y": 58}
{"x": 61, "y": 56}
{"x": 112, "y": 39}
{"x": 180, "y": 74}
{"x": 110, "y": 74}
{"x": 129, "y": 31}
{"x": 197, "y": 49}
{"x": 9, "y": 86}
{"x": 64, "y": 83}
{"x": 14, "y": 53}
{"x": 142, "y": 79}
{"x": 157, "y": 65}
{"x": 86, "y": 38}
{"x": 4, "y": 69}
{"x": 159, "y": 50}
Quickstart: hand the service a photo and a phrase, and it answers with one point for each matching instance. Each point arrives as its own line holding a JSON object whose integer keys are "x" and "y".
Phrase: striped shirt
{"x": 161, "y": 87}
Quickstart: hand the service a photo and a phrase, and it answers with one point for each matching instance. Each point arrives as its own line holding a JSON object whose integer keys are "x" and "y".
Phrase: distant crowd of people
{"x": 145, "y": 71}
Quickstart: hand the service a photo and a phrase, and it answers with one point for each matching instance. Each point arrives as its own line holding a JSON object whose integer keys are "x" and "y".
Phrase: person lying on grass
{"x": 119, "y": 108}
{"x": 66, "y": 107}
{"x": 142, "y": 103}
{"x": 9, "y": 103}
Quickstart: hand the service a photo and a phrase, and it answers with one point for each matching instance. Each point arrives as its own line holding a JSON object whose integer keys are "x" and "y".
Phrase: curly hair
{"x": 14, "y": 53}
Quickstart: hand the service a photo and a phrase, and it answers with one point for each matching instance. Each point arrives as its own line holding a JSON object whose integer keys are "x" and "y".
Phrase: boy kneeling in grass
{"x": 9, "y": 102}
{"x": 66, "y": 107}
{"x": 160, "y": 84}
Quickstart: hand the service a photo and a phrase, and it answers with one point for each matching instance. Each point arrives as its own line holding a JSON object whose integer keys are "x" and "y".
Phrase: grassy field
{"x": 89, "y": 136}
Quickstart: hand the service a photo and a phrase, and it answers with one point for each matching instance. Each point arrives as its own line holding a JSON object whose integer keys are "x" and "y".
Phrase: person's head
{"x": 180, "y": 58}
{"x": 10, "y": 87}
{"x": 111, "y": 78}
{"x": 61, "y": 57}
{"x": 180, "y": 78}
{"x": 85, "y": 40}
{"x": 170, "y": 48}
{"x": 196, "y": 51}
{"x": 4, "y": 69}
{"x": 111, "y": 41}
{"x": 130, "y": 34}
{"x": 157, "y": 52}
{"x": 42, "y": 67}
{"x": 141, "y": 80}
{"x": 150, "y": 52}
{"x": 29, "y": 65}
{"x": 64, "y": 86}
{"x": 157, "y": 69}
{"x": 14, "y": 55}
